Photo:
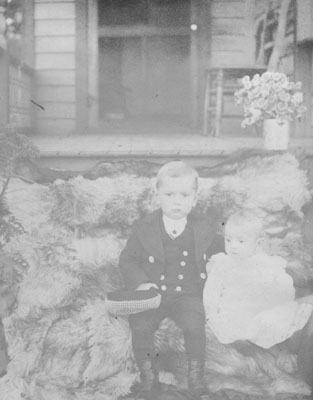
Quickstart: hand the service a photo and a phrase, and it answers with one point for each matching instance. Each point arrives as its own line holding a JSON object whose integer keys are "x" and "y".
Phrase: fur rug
{"x": 61, "y": 342}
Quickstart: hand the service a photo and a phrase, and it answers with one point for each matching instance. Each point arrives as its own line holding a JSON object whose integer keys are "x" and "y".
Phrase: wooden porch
{"x": 85, "y": 151}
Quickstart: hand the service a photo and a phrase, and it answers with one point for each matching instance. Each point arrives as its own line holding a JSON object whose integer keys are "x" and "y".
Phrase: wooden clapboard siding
{"x": 55, "y": 94}
{"x": 55, "y": 127}
{"x": 231, "y": 26}
{"x": 227, "y": 8}
{"x": 55, "y": 28}
{"x": 54, "y": 11}
{"x": 55, "y": 63}
{"x": 228, "y": 26}
{"x": 56, "y": 78}
{"x": 226, "y": 43}
{"x": 54, "y": 44}
{"x": 305, "y": 20}
{"x": 55, "y": 110}
{"x": 228, "y": 58}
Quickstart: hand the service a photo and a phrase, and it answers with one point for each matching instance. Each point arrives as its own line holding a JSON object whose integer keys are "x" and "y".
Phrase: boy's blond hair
{"x": 177, "y": 169}
{"x": 247, "y": 221}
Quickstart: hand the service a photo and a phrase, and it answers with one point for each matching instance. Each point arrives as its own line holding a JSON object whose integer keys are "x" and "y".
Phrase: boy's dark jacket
{"x": 142, "y": 259}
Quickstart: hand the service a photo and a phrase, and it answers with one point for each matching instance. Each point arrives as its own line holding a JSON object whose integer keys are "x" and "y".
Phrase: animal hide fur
{"x": 61, "y": 342}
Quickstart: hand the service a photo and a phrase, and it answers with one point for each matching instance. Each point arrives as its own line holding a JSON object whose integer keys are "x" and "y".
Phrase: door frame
{"x": 199, "y": 53}
{"x": 93, "y": 64}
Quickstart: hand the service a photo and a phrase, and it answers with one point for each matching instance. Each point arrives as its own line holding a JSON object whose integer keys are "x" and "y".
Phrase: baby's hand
{"x": 147, "y": 286}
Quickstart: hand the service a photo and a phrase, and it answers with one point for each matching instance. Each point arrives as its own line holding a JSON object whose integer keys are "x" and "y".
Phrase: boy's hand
{"x": 147, "y": 286}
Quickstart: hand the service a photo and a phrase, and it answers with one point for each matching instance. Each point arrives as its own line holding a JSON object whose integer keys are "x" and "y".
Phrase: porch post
{"x": 93, "y": 60}
{"x": 200, "y": 49}
{"x": 204, "y": 40}
{"x": 194, "y": 62}
{"x": 81, "y": 67}
{"x": 4, "y": 70}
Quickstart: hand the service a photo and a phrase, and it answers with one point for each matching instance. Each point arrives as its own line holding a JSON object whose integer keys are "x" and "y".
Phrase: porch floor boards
{"x": 154, "y": 145}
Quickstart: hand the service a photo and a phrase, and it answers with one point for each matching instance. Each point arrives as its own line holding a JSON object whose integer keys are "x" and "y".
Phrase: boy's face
{"x": 240, "y": 241}
{"x": 177, "y": 196}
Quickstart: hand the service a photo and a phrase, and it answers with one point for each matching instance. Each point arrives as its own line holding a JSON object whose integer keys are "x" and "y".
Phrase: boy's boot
{"x": 196, "y": 383}
{"x": 149, "y": 378}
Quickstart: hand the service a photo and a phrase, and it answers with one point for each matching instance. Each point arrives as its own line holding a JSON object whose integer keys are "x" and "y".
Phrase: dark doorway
{"x": 144, "y": 59}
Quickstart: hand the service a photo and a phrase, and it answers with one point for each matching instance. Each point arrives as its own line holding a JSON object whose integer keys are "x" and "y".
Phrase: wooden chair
{"x": 220, "y": 83}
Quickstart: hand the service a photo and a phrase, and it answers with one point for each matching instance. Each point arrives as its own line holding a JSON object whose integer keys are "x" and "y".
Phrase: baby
{"x": 248, "y": 295}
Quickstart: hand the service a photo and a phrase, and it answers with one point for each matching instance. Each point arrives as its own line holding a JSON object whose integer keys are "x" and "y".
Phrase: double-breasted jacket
{"x": 143, "y": 258}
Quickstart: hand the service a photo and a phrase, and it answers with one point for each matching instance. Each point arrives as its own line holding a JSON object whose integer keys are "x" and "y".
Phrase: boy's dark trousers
{"x": 188, "y": 312}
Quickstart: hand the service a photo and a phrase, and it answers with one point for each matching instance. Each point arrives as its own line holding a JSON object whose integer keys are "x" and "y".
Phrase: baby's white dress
{"x": 252, "y": 299}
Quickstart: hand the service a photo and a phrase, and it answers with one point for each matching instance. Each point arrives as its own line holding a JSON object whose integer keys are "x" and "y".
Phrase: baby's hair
{"x": 177, "y": 169}
{"x": 247, "y": 220}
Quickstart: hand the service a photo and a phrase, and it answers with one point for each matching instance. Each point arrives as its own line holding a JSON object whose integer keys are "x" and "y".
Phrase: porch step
{"x": 81, "y": 152}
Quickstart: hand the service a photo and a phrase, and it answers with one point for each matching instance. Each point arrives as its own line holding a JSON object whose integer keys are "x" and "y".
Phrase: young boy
{"x": 168, "y": 250}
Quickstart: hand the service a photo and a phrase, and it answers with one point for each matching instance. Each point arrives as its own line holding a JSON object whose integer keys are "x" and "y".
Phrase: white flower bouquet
{"x": 271, "y": 95}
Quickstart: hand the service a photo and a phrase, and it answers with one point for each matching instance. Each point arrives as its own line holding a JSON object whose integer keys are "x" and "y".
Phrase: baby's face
{"x": 240, "y": 242}
{"x": 177, "y": 196}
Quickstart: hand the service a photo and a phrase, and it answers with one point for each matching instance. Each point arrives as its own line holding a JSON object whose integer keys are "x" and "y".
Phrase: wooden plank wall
{"x": 231, "y": 33}
{"x": 55, "y": 62}
{"x": 305, "y": 20}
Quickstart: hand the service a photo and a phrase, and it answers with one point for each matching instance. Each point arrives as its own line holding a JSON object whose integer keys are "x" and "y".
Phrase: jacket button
{"x": 202, "y": 275}
{"x": 185, "y": 253}
{"x": 182, "y": 263}
{"x": 151, "y": 259}
{"x": 178, "y": 288}
{"x": 163, "y": 287}
{"x": 162, "y": 277}
{"x": 180, "y": 276}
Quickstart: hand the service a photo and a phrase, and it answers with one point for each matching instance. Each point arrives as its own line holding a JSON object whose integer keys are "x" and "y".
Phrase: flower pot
{"x": 276, "y": 135}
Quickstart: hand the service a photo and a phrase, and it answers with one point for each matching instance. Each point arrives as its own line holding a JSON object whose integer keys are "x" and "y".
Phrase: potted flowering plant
{"x": 274, "y": 100}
